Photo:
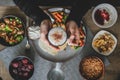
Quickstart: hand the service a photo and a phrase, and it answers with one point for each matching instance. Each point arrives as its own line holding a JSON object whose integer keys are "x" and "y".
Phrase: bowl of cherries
{"x": 104, "y": 15}
{"x": 21, "y": 68}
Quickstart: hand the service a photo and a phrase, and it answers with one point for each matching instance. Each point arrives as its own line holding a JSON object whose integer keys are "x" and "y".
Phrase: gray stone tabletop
{"x": 42, "y": 66}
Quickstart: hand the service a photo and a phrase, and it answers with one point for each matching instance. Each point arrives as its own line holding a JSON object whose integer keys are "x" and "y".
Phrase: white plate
{"x": 111, "y": 10}
{"x": 65, "y": 10}
{"x": 59, "y": 9}
{"x": 101, "y": 33}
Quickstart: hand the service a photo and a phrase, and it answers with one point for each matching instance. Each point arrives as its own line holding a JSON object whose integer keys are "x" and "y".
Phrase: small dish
{"x": 59, "y": 9}
{"x": 104, "y": 42}
{"x": 12, "y": 30}
{"x": 21, "y": 68}
{"x": 91, "y": 68}
{"x": 57, "y": 36}
{"x": 104, "y": 15}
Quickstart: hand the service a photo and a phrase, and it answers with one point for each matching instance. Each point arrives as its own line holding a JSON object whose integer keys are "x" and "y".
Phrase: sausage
{"x": 2, "y": 25}
{"x": 20, "y": 32}
{"x": 19, "y": 26}
{"x": 14, "y": 23}
{"x": 7, "y": 20}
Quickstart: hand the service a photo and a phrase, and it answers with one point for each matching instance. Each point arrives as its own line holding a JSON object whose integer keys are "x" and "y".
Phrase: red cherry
{"x": 15, "y": 71}
{"x": 25, "y": 74}
{"x": 15, "y": 65}
{"x": 27, "y": 69}
{"x": 23, "y": 69}
{"x": 30, "y": 66}
{"x": 19, "y": 69}
{"x": 20, "y": 73}
{"x": 24, "y": 61}
{"x": 98, "y": 17}
{"x": 25, "y": 65}
{"x": 105, "y": 15}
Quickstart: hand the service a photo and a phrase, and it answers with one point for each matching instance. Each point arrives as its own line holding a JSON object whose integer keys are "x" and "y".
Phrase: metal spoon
{"x": 27, "y": 25}
{"x": 56, "y": 73}
{"x": 27, "y": 45}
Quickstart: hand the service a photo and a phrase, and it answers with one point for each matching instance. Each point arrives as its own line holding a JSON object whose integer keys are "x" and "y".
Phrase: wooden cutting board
{"x": 4, "y": 74}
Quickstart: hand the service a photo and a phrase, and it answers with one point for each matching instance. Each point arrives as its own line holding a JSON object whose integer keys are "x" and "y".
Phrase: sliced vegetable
{"x": 8, "y": 29}
{"x": 60, "y": 16}
{"x": 76, "y": 47}
{"x": 10, "y": 42}
{"x": 19, "y": 38}
{"x": 64, "y": 18}
{"x": 57, "y": 18}
{"x": 11, "y": 19}
{"x": 15, "y": 35}
{"x": 81, "y": 43}
{"x": 11, "y": 30}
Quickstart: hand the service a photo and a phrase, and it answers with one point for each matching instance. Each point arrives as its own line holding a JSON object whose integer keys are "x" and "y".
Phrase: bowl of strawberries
{"x": 104, "y": 15}
{"x": 21, "y": 68}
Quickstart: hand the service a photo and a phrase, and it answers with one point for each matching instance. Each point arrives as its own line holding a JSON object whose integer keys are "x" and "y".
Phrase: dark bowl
{"x": 83, "y": 73}
{"x": 21, "y": 68}
{"x": 3, "y": 41}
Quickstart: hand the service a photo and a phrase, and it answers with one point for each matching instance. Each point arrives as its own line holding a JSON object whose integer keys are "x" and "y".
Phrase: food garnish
{"x": 11, "y": 30}
{"x": 104, "y": 43}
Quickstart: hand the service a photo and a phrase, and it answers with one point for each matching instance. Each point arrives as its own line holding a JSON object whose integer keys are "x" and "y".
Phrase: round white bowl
{"x": 112, "y": 12}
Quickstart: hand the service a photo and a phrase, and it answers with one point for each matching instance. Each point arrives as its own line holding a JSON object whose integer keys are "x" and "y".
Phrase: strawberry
{"x": 25, "y": 74}
{"x": 30, "y": 66}
{"x": 24, "y": 61}
{"x": 20, "y": 73}
{"x": 15, "y": 65}
{"x": 98, "y": 17}
{"x": 23, "y": 68}
{"x": 27, "y": 69}
{"x": 105, "y": 15}
{"x": 15, "y": 71}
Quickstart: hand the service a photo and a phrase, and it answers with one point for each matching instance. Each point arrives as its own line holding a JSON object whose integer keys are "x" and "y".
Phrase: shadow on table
{"x": 1, "y": 78}
{"x": 118, "y": 78}
{"x": 30, "y": 53}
